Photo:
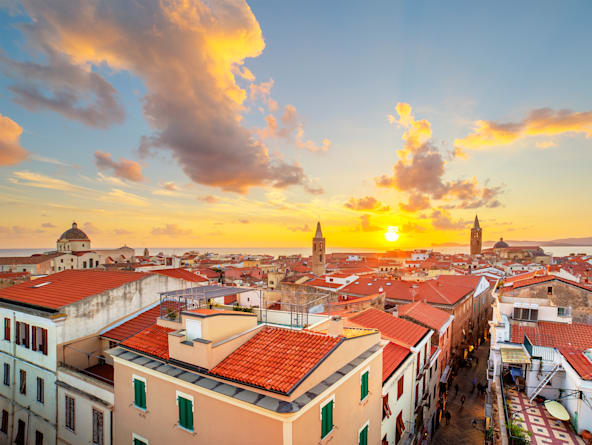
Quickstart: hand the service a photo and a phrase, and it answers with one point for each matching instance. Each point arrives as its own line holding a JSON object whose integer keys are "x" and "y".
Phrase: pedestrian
{"x": 476, "y": 361}
{"x": 447, "y": 416}
{"x": 474, "y": 384}
{"x": 455, "y": 389}
{"x": 462, "y": 400}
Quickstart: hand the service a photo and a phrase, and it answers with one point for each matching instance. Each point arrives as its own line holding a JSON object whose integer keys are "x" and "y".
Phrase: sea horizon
{"x": 557, "y": 251}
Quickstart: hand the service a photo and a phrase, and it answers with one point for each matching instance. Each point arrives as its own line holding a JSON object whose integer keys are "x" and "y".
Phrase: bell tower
{"x": 318, "y": 252}
{"x": 476, "y": 237}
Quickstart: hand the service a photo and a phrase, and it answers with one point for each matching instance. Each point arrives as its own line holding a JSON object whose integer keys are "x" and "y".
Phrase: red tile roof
{"x": 141, "y": 321}
{"x": 424, "y": 313}
{"x": 318, "y": 282}
{"x": 276, "y": 359}
{"x": 67, "y": 287}
{"x": 153, "y": 340}
{"x": 578, "y": 361}
{"x": 392, "y": 356}
{"x": 397, "y": 330}
{"x": 181, "y": 273}
{"x": 445, "y": 290}
{"x": 544, "y": 279}
{"x": 555, "y": 335}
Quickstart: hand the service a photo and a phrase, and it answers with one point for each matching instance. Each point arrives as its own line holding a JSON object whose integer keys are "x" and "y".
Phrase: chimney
{"x": 335, "y": 326}
{"x": 395, "y": 311}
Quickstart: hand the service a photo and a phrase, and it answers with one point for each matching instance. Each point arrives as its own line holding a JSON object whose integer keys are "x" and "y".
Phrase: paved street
{"x": 461, "y": 431}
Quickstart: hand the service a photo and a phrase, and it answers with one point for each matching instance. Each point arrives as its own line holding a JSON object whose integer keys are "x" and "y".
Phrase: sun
{"x": 392, "y": 233}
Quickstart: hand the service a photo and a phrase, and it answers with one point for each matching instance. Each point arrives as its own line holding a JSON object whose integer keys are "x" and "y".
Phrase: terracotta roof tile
{"x": 67, "y": 287}
{"x": 402, "y": 332}
{"x": 131, "y": 327}
{"x": 276, "y": 359}
{"x": 544, "y": 279}
{"x": 392, "y": 356}
{"x": 153, "y": 340}
{"x": 181, "y": 273}
{"x": 578, "y": 361}
{"x": 424, "y": 313}
{"x": 555, "y": 335}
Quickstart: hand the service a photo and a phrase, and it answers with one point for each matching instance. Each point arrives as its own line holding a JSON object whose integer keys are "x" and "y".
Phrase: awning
{"x": 515, "y": 356}
{"x": 445, "y": 374}
{"x": 557, "y": 410}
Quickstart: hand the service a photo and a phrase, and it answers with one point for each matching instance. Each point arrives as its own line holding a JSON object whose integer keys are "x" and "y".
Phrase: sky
{"x": 241, "y": 124}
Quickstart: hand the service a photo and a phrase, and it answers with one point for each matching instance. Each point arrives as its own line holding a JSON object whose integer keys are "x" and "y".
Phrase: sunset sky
{"x": 234, "y": 124}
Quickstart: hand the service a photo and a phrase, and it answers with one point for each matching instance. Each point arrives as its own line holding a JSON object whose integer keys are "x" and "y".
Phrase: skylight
{"x": 41, "y": 284}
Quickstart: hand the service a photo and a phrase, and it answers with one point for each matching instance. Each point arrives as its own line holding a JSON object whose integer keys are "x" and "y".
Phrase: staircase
{"x": 546, "y": 380}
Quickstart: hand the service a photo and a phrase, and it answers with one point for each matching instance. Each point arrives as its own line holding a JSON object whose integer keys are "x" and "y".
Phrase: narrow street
{"x": 461, "y": 430}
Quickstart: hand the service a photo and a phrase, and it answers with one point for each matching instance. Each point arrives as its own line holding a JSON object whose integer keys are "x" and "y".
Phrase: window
{"x": 400, "y": 427}
{"x": 40, "y": 390}
{"x": 39, "y": 339}
{"x": 20, "y": 434}
{"x": 23, "y": 382}
{"x": 400, "y": 387}
{"x": 526, "y": 314}
{"x": 137, "y": 440}
{"x": 364, "y": 385}
{"x": 4, "y": 425}
{"x": 6, "y": 374}
{"x": 386, "y": 409}
{"x": 97, "y": 420}
{"x": 327, "y": 418}
{"x": 562, "y": 311}
{"x": 140, "y": 392}
{"x": 550, "y": 290}
{"x": 363, "y": 435}
{"x": 70, "y": 413}
{"x": 38, "y": 438}
{"x": 7, "y": 329}
{"x": 185, "y": 412}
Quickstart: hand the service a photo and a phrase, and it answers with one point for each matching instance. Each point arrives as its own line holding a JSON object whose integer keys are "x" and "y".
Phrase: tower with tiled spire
{"x": 318, "y": 252}
{"x": 476, "y": 237}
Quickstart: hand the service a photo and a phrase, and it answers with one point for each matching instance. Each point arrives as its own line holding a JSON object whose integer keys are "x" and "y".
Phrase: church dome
{"x": 74, "y": 234}
{"x": 501, "y": 244}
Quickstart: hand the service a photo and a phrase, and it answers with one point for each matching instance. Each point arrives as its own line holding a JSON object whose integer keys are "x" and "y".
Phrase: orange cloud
{"x": 124, "y": 169}
{"x": 420, "y": 170}
{"x": 366, "y": 203}
{"x": 188, "y": 55}
{"x": 540, "y": 122}
{"x": 11, "y": 152}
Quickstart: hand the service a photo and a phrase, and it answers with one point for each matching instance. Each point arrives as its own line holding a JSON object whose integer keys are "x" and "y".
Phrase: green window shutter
{"x": 364, "y": 386}
{"x": 139, "y": 393}
{"x": 327, "y": 419}
{"x": 185, "y": 413}
{"x": 363, "y": 436}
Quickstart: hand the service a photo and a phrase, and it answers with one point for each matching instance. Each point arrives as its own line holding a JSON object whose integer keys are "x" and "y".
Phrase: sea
{"x": 556, "y": 251}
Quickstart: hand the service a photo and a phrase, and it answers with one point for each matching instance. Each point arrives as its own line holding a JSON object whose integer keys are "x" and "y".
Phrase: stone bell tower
{"x": 476, "y": 238}
{"x": 318, "y": 252}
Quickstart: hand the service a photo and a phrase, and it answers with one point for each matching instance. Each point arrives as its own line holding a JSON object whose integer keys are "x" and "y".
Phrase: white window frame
{"x": 185, "y": 396}
{"x": 325, "y": 403}
{"x": 140, "y": 379}
{"x": 367, "y": 370}
{"x": 137, "y": 436}
{"x": 366, "y": 424}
